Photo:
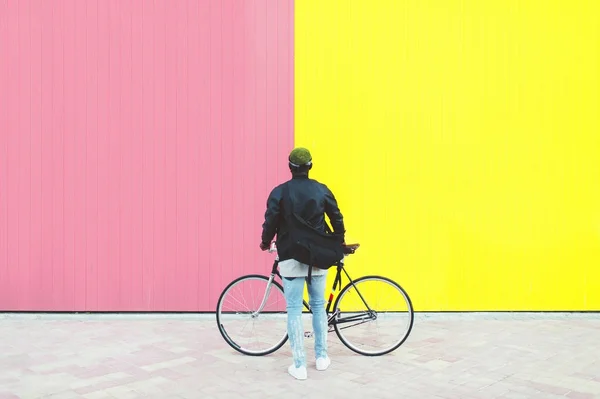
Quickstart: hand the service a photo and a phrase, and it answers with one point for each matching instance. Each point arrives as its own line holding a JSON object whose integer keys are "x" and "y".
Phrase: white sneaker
{"x": 323, "y": 363}
{"x": 298, "y": 373}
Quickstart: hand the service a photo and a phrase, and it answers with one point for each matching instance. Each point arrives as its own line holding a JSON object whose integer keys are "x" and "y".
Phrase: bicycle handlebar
{"x": 348, "y": 248}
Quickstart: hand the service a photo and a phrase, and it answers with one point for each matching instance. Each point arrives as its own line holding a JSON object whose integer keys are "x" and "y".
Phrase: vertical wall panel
{"x": 138, "y": 143}
{"x": 4, "y": 294}
{"x": 79, "y": 156}
{"x": 69, "y": 133}
{"x": 36, "y": 273}
{"x": 11, "y": 217}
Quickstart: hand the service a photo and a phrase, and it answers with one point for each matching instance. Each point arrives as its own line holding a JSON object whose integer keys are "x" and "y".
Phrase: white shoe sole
{"x": 324, "y": 366}
{"x": 296, "y": 373}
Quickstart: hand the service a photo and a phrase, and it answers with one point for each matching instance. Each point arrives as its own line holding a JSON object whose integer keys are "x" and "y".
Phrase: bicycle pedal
{"x": 308, "y": 334}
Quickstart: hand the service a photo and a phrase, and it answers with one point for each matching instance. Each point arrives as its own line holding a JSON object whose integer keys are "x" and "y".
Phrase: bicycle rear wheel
{"x": 242, "y": 325}
{"x": 374, "y": 315}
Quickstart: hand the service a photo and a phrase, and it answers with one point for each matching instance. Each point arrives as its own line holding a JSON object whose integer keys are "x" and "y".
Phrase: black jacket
{"x": 312, "y": 200}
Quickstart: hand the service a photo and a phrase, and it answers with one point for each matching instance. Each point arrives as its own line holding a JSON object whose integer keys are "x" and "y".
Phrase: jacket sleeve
{"x": 271, "y": 223}
{"x": 333, "y": 212}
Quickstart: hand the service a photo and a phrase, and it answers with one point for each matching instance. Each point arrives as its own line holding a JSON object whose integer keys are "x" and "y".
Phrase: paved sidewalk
{"x": 177, "y": 356}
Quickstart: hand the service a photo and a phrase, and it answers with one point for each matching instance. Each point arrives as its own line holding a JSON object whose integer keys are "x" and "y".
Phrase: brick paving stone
{"x": 448, "y": 356}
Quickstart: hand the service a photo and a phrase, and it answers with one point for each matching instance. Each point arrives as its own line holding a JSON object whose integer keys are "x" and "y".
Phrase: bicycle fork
{"x": 265, "y": 297}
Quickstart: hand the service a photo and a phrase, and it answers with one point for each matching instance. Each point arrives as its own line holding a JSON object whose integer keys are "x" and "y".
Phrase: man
{"x": 311, "y": 201}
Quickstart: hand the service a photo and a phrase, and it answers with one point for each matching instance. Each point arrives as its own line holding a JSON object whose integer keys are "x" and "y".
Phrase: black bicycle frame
{"x": 337, "y": 284}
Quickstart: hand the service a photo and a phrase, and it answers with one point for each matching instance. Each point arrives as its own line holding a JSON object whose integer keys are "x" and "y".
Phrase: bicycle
{"x": 344, "y": 318}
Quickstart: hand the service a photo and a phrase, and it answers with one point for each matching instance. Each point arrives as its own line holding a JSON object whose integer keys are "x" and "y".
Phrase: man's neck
{"x": 300, "y": 176}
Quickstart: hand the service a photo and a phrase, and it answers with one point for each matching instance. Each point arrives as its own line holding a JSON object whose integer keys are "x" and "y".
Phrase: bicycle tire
{"x": 341, "y": 295}
{"x": 224, "y": 334}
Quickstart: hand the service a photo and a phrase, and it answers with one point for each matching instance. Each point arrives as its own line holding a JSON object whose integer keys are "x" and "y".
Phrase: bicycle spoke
{"x": 245, "y": 304}
{"x": 377, "y": 307}
{"x": 244, "y": 327}
{"x": 241, "y": 304}
{"x": 253, "y": 302}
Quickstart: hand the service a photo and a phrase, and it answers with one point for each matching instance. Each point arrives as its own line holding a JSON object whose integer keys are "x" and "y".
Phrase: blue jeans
{"x": 294, "y": 289}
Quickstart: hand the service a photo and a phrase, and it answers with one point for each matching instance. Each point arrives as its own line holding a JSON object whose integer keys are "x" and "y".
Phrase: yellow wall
{"x": 462, "y": 139}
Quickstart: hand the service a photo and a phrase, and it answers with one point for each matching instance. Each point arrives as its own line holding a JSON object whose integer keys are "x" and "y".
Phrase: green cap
{"x": 300, "y": 156}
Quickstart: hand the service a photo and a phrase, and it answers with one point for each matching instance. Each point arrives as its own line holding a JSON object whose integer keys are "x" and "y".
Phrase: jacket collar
{"x": 300, "y": 176}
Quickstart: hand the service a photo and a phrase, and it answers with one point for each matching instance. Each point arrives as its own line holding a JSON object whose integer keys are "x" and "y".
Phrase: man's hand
{"x": 264, "y": 246}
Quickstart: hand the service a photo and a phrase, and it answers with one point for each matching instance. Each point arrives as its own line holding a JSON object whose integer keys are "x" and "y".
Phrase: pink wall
{"x": 138, "y": 143}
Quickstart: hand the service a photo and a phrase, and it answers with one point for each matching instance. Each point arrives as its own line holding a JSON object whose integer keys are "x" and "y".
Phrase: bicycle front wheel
{"x": 244, "y": 325}
{"x": 374, "y": 315}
